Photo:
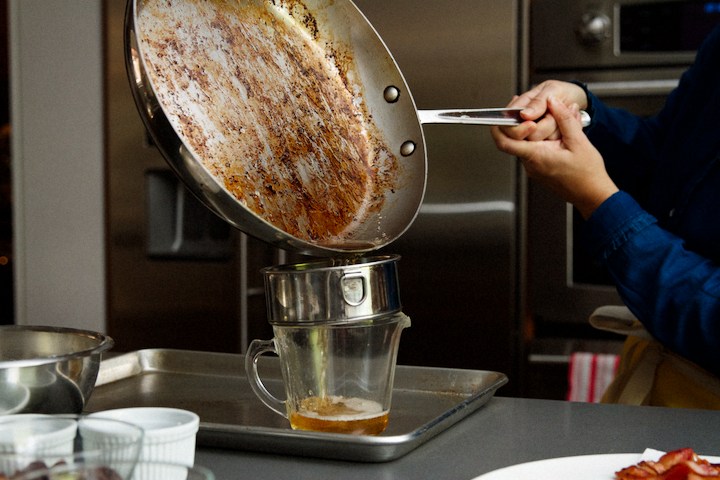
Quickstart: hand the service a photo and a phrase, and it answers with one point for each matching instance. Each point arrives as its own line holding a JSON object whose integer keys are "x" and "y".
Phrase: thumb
{"x": 567, "y": 119}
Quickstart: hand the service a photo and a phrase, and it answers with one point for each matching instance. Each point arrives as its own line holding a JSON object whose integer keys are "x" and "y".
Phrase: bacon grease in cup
{"x": 335, "y": 414}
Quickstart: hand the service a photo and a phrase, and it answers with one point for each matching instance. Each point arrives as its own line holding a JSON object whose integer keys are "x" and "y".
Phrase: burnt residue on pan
{"x": 271, "y": 109}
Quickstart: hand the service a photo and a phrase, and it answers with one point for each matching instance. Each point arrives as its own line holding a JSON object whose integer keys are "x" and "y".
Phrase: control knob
{"x": 594, "y": 28}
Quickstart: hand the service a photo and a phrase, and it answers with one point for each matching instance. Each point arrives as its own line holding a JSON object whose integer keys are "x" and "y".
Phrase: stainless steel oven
{"x": 631, "y": 53}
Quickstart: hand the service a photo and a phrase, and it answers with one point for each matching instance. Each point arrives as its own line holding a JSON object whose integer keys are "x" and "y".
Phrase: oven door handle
{"x": 632, "y": 88}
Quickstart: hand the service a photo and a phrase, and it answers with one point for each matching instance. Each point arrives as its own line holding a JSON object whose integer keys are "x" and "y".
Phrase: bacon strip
{"x": 682, "y": 464}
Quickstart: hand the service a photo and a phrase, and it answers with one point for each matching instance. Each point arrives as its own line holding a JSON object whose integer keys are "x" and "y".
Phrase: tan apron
{"x": 650, "y": 374}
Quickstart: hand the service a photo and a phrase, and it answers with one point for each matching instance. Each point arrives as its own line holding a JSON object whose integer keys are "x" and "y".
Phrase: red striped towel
{"x": 589, "y": 375}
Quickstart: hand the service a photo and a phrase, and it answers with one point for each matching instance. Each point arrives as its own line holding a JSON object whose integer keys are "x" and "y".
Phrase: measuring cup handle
{"x": 256, "y": 349}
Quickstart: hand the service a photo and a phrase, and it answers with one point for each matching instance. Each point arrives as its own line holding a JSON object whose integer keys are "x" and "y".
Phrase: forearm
{"x": 673, "y": 291}
{"x": 629, "y": 144}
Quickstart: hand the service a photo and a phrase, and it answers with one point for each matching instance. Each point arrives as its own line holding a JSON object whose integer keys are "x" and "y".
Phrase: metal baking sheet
{"x": 425, "y": 402}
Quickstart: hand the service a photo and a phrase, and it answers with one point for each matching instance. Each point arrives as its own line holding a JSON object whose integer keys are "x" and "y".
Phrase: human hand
{"x": 541, "y": 126}
{"x": 570, "y": 165}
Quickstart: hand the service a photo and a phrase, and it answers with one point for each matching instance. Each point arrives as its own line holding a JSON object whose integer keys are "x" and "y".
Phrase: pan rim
{"x": 199, "y": 180}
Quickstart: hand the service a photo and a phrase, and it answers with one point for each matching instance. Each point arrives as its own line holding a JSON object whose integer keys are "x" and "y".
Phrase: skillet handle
{"x": 483, "y": 116}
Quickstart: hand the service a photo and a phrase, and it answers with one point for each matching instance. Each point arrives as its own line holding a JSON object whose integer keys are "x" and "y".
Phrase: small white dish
{"x": 36, "y": 433}
{"x": 30, "y": 439}
{"x": 169, "y": 432}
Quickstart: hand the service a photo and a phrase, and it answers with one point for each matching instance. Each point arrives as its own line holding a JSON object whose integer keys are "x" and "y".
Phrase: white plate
{"x": 587, "y": 467}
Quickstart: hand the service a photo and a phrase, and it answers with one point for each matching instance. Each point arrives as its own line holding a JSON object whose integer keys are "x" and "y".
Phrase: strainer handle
{"x": 255, "y": 350}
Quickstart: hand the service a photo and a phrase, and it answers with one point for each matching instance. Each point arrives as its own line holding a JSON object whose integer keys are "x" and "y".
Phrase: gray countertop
{"x": 506, "y": 431}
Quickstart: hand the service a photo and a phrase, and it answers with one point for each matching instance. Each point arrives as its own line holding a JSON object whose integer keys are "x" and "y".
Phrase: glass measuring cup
{"x": 338, "y": 377}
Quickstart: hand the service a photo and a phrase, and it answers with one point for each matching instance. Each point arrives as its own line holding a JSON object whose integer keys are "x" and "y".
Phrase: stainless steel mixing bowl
{"x": 48, "y": 369}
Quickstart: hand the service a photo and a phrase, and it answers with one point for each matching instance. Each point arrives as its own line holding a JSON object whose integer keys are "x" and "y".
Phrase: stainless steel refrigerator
{"x": 178, "y": 277}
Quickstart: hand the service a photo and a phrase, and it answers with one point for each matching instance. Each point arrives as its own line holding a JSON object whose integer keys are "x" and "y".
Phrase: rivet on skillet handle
{"x": 391, "y": 94}
{"x": 353, "y": 288}
{"x": 407, "y": 148}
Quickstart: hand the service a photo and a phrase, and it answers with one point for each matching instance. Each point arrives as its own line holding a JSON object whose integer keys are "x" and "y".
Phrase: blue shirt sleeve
{"x": 675, "y": 292}
{"x": 659, "y": 237}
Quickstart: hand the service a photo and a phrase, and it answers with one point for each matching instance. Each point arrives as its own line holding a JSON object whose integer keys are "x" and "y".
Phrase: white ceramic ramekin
{"x": 169, "y": 432}
{"x": 25, "y": 437}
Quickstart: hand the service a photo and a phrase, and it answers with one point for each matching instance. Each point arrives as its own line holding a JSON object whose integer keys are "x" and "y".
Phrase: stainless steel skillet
{"x": 289, "y": 119}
